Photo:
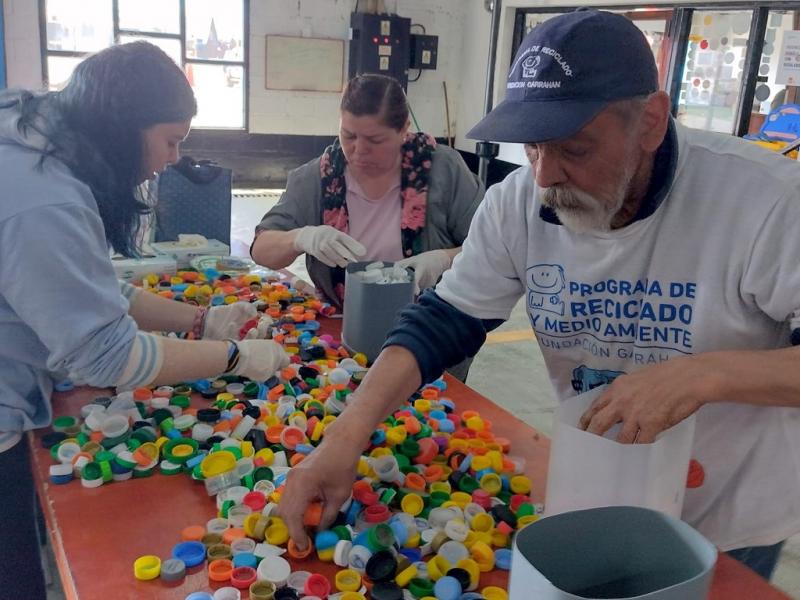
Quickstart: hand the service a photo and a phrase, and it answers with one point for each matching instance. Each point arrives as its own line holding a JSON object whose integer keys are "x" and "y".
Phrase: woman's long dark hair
{"x": 95, "y": 123}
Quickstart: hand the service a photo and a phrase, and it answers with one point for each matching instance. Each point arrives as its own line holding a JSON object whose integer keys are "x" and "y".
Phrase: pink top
{"x": 375, "y": 223}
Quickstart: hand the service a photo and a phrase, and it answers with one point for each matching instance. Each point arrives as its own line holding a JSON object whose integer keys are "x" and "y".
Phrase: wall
{"x": 316, "y": 113}
{"x": 23, "y": 57}
{"x": 297, "y": 113}
{"x": 463, "y": 27}
{"x": 475, "y": 52}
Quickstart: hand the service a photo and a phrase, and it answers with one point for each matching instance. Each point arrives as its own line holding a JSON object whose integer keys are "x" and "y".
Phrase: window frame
{"x": 180, "y": 36}
{"x": 677, "y": 34}
{"x": 2, "y": 49}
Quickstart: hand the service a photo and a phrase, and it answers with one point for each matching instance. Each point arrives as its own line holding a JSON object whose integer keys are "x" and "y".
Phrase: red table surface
{"x": 98, "y": 533}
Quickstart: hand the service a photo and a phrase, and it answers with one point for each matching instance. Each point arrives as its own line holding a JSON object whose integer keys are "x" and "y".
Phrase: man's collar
{"x": 664, "y": 165}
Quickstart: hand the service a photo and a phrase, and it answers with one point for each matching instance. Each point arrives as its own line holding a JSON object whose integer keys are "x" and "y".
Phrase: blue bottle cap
{"x": 502, "y": 558}
{"x": 191, "y": 553}
{"x": 447, "y": 588}
{"x": 245, "y": 559}
{"x": 412, "y": 554}
{"x": 326, "y": 539}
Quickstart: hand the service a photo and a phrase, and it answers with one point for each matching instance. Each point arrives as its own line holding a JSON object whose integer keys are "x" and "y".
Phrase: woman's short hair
{"x": 372, "y": 94}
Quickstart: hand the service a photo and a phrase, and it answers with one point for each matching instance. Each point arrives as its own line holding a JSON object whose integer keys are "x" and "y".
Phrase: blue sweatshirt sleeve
{"x": 64, "y": 289}
{"x": 438, "y": 334}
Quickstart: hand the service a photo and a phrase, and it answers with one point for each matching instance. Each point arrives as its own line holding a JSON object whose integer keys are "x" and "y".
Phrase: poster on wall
{"x": 789, "y": 64}
{"x": 304, "y": 64}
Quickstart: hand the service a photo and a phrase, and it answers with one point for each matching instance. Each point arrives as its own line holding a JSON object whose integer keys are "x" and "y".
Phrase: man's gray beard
{"x": 581, "y": 212}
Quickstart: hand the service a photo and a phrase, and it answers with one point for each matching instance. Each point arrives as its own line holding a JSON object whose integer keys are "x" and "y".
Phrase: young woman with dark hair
{"x": 72, "y": 163}
{"x": 378, "y": 193}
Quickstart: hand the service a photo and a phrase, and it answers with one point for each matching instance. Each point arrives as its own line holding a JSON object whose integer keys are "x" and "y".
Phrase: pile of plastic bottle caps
{"x": 433, "y": 509}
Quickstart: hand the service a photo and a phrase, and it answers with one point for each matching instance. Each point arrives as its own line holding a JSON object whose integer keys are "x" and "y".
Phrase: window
{"x": 712, "y": 73}
{"x": 2, "y": 50}
{"x": 207, "y": 38}
{"x": 652, "y": 22}
{"x": 771, "y": 90}
{"x": 719, "y": 61}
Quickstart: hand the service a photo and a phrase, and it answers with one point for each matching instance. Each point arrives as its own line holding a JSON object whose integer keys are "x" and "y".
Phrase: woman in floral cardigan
{"x": 379, "y": 192}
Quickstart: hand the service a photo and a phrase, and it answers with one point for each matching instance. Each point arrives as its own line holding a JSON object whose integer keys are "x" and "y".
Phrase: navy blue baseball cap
{"x": 566, "y": 71}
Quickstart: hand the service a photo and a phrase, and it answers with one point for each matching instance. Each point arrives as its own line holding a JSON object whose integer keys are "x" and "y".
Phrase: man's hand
{"x": 325, "y": 475}
{"x": 652, "y": 400}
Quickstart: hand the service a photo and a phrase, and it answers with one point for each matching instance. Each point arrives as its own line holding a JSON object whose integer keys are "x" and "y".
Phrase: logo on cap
{"x": 529, "y": 66}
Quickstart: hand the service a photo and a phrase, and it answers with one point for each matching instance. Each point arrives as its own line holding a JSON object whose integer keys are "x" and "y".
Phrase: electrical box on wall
{"x": 423, "y": 51}
{"x": 379, "y": 44}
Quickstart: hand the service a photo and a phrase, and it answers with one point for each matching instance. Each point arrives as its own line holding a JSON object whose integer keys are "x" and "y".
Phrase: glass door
{"x": 712, "y": 74}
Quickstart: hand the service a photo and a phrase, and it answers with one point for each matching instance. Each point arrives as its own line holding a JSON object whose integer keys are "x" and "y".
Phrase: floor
{"x": 509, "y": 369}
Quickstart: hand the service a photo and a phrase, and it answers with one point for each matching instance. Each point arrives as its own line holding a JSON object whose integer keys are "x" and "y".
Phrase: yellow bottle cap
{"x": 438, "y": 567}
{"x": 475, "y": 423}
{"x": 482, "y": 522}
{"x": 405, "y": 576}
{"x": 247, "y": 449}
{"x": 266, "y": 455}
{"x": 480, "y": 463}
{"x": 520, "y": 484}
{"x": 147, "y": 567}
{"x": 413, "y": 504}
{"x": 326, "y": 555}
{"x": 491, "y": 483}
{"x": 494, "y": 593}
{"x": 216, "y": 463}
{"x": 471, "y": 567}
{"x": 348, "y": 580}
{"x": 441, "y": 486}
{"x": 461, "y": 498}
{"x": 276, "y": 533}
{"x": 526, "y": 520}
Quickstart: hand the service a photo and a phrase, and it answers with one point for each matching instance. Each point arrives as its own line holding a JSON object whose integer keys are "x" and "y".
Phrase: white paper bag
{"x": 588, "y": 471}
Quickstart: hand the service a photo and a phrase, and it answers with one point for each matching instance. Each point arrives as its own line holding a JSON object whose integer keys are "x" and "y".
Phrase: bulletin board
{"x": 304, "y": 64}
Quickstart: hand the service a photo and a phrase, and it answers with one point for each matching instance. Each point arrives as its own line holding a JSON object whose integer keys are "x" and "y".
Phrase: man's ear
{"x": 655, "y": 118}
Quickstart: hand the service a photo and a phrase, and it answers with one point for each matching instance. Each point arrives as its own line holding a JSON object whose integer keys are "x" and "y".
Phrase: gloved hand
{"x": 224, "y": 322}
{"x": 331, "y": 246}
{"x": 259, "y": 359}
{"x": 428, "y": 267}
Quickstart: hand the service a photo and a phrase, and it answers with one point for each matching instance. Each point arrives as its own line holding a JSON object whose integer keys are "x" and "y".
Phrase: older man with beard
{"x": 651, "y": 255}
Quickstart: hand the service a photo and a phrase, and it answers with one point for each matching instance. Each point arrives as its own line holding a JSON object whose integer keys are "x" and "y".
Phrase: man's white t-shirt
{"x": 715, "y": 267}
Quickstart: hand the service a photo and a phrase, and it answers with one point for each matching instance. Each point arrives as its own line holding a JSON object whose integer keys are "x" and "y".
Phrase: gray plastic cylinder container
{"x": 370, "y": 310}
{"x": 621, "y": 552}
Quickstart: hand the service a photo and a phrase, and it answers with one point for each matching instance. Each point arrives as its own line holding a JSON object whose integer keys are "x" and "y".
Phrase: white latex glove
{"x": 328, "y": 244}
{"x": 224, "y": 322}
{"x": 259, "y": 359}
{"x": 428, "y": 267}
{"x": 260, "y": 331}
